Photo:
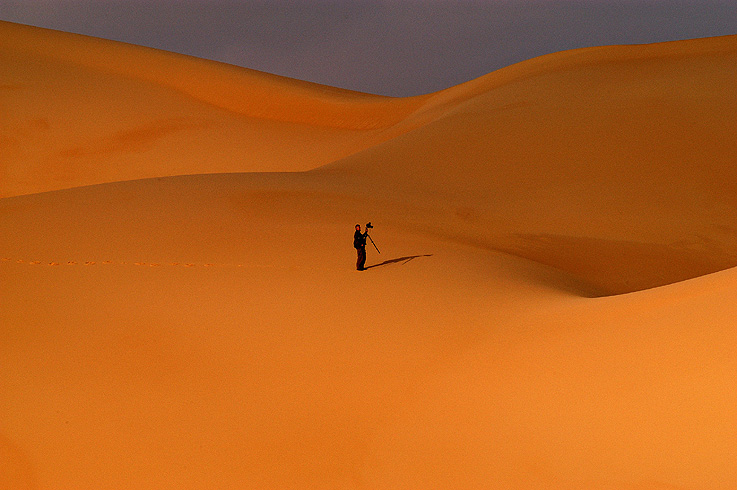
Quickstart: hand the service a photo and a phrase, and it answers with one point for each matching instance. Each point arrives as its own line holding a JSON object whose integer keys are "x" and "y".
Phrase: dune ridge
{"x": 601, "y": 169}
{"x": 179, "y": 309}
{"x": 243, "y": 91}
{"x": 171, "y": 115}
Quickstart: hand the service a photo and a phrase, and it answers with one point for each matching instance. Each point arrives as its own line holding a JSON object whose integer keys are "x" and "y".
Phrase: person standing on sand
{"x": 359, "y": 243}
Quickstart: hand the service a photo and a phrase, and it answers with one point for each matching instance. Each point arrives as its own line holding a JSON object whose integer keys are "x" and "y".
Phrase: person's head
{"x": 358, "y": 227}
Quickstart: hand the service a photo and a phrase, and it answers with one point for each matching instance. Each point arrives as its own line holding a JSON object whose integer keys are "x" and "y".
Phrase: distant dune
{"x": 88, "y": 111}
{"x": 179, "y": 306}
{"x": 614, "y": 164}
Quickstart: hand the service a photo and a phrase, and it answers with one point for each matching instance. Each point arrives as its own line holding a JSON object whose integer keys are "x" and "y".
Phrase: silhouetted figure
{"x": 359, "y": 243}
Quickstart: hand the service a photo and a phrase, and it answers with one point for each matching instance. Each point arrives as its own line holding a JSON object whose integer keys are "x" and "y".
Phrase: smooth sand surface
{"x": 88, "y": 111}
{"x": 553, "y": 306}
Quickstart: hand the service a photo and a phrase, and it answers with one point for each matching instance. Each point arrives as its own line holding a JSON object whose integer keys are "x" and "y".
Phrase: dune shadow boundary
{"x": 403, "y": 260}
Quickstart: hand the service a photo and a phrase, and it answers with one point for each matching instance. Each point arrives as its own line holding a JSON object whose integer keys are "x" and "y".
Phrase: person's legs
{"x": 361, "y": 262}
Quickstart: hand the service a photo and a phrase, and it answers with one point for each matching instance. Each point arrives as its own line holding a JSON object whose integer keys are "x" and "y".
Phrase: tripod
{"x": 372, "y": 242}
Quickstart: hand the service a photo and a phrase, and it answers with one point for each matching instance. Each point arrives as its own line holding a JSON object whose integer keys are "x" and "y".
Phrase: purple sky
{"x": 386, "y": 47}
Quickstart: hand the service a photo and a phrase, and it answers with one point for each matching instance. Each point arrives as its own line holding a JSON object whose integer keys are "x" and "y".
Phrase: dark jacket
{"x": 359, "y": 239}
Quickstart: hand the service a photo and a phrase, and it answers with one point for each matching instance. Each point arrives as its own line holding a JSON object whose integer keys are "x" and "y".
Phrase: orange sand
{"x": 553, "y": 307}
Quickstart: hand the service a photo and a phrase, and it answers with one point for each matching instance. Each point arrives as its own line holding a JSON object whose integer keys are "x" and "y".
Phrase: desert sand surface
{"x": 553, "y": 306}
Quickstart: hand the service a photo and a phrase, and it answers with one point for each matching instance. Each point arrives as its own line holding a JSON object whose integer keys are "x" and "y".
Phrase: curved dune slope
{"x": 209, "y": 331}
{"x": 84, "y": 111}
{"x": 617, "y": 165}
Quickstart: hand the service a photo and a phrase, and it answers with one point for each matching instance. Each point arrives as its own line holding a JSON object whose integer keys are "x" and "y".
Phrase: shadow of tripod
{"x": 403, "y": 260}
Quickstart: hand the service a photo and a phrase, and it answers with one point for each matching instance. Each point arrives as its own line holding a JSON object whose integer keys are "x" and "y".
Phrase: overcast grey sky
{"x": 386, "y": 47}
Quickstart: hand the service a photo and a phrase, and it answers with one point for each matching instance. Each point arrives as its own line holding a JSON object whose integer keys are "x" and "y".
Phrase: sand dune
{"x": 193, "y": 320}
{"x": 614, "y": 164}
{"x": 169, "y": 115}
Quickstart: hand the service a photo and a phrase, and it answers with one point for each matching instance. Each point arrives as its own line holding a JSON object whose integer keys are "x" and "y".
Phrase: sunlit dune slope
{"x": 617, "y": 165}
{"x": 210, "y": 332}
{"x": 78, "y": 111}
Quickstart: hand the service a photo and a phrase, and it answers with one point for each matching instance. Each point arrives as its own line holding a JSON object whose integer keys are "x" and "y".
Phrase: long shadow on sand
{"x": 403, "y": 260}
